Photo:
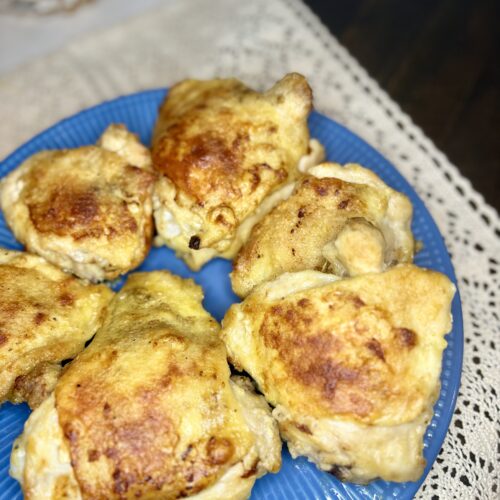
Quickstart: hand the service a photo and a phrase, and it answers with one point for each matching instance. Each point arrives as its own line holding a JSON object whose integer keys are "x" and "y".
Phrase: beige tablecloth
{"x": 258, "y": 41}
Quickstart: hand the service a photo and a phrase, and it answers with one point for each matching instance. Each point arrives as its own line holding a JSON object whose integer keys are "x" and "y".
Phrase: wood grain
{"x": 440, "y": 61}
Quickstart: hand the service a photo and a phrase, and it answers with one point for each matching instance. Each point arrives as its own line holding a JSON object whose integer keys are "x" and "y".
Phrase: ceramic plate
{"x": 298, "y": 479}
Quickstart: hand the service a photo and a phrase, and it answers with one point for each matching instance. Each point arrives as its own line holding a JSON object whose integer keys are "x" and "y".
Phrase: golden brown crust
{"x": 291, "y": 237}
{"x": 350, "y": 386}
{"x": 35, "y": 386}
{"x": 86, "y": 209}
{"x": 351, "y": 365}
{"x": 70, "y": 206}
{"x": 352, "y": 348}
{"x": 147, "y": 408}
{"x": 41, "y": 460}
{"x": 207, "y": 129}
{"x": 46, "y": 316}
{"x": 225, "y": 147}
{"x": 327, "y": 224}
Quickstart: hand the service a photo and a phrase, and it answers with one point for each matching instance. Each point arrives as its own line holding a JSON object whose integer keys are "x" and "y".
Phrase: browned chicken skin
{"x": 338, "y": 219}
{"x": 46, "y": 316}
{"x": 148, "y": 409}
{"x": 222, "y": 149}
{"x": 87, "y": 210}
{"x": 351, "y": 365}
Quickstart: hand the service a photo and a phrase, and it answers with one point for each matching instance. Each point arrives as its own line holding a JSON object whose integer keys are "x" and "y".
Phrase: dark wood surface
{"x": 440, "y": 61}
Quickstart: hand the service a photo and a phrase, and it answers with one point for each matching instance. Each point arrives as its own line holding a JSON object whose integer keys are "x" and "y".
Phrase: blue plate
{"x": 298, "y": 479}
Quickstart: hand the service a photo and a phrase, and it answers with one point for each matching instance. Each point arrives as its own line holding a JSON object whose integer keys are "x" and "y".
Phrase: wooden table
{"x": 440, "y": 61}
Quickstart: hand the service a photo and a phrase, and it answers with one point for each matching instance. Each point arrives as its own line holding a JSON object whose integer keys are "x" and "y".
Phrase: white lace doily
{"x": 259, "y": 41}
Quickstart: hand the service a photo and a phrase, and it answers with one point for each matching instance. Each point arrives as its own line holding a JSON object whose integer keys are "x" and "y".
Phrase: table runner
{"x": 259, "y": 41}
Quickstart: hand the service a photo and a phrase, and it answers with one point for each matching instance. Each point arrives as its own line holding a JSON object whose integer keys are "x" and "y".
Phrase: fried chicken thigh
{"x": 224, "y": 152}
{"x": 148, "y": 409}
{"x": 46, "y": 316}
{"x": 339, "y": 219}
{"x": 351, "y": 366}
{"x": 89, "y": 209}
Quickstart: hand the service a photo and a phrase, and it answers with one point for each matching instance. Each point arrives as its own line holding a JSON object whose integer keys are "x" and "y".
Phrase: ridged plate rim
{"x": 298, "y": 478}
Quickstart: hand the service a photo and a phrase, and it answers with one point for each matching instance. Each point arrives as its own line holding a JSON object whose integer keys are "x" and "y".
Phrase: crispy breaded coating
{"x": 46, "y": 316}
{"x": 222, "y": 149}
{"x": 89, "y": 209}
{"x": 149, "y": 409}
{"x": 339, "y": 219}
{"x": 351, "y": 366}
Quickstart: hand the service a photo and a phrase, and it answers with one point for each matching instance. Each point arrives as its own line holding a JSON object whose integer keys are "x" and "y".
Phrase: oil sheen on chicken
{"x": 351, "y": 365}
{"x": 339, "y": 219}
{"x": 46, "y": 316}
{"x": 222, "y": 149}
{"x": 87, "y": 210}
{"x": 148, "y": 410}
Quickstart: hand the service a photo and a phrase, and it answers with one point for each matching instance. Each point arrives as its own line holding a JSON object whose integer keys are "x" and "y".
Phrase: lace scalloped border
{"x": 394, "y": 113}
